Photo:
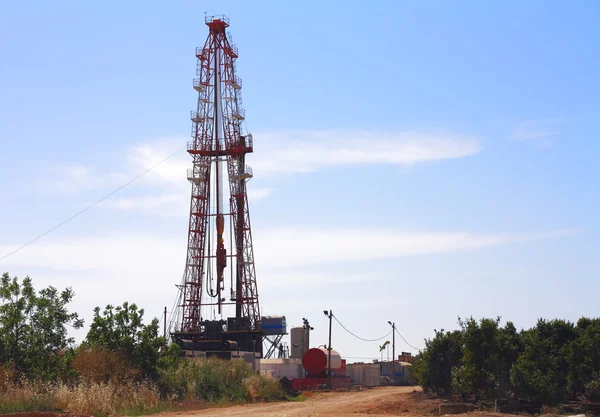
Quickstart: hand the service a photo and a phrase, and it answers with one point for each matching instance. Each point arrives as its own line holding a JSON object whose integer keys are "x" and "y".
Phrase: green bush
{"x": 540, "y": 372}
{"x": 433, "y": 367}
{"x": 592, "y": 391}
{"x": 215, "y": 380}
{"x": 550, "y": 363}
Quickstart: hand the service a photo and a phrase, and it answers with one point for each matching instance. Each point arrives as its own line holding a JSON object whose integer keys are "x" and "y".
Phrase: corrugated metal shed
{"x": 402, "y": 372}
{"x": 280, "y": 368}
{"x": 365, "y": 374}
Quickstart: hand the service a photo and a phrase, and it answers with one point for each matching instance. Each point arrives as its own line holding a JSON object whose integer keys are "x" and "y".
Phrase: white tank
{"x": 298, "y": 342}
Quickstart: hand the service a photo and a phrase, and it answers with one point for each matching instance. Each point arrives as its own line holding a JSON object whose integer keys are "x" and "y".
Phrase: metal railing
{"x": 210, "y": 145}
{"x": 239, "y": 114}
{"x": 197, "y": 116}
{"x": 232, "y": 50}
{"x": 200, "y": 53}
{"x": 235, "y": 82}
{"x": 205, "y": 145}
{"x": 198, "y": 85}
{"x": 221, "y": 17}
{"x": 192, "y": 176}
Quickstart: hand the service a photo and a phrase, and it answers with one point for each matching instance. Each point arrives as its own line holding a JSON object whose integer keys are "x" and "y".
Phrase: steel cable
{"x": 79, "y": 213}
{"x": 358, "y": 337}
{"x": 402, "y": 337}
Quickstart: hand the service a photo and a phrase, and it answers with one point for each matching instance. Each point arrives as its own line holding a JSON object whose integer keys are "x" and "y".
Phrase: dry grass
{"x": 91, "y": 398}
{"x": 99, "y": 392}
{"x": 259, "y": 388}
{"x": 215, "y": 380}
{"x": 26, "y": 396}
{"x": 107, "y": 398}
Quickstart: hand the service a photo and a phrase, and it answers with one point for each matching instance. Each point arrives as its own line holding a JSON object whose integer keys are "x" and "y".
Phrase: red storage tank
{"x": 315, "y": 362}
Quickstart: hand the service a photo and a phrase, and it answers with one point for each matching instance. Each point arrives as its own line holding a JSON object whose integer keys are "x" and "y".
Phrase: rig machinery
{"x": 219, "y": 236}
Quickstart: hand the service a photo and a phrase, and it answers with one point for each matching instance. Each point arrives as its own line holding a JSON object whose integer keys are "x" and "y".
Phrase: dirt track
{"x": 383, "y": 401}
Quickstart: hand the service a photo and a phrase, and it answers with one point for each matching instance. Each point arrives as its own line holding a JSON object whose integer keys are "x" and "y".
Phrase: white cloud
{"x": 172, "y": 205}
{"x": 278, "y": 248}
{"x": 542, "y": 133}
{"x": 286, "y": 247}
{"x": 301, "y": 151}
{"x": 276, "y": 153}
{"x": 166, "y": 205}
{"x": 77, "y": 178}
{"x": 257, "y": 194}
{"x": 143, "y": 268}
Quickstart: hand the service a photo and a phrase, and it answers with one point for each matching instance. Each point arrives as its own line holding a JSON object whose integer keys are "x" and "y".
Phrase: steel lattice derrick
{"x": 218, "y": 137}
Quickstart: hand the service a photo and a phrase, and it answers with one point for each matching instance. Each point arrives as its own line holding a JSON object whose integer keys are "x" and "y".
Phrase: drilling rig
{"x": 219, "y": 249}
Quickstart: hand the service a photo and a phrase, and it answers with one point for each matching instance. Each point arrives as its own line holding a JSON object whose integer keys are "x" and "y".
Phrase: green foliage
{"x": 488, "y": 352}
{"x": 583, "y": 357}
{"x": 540, "y": 372}
{"x": 549, "y": 364}
{"x": 170, "y": 356}
{"x": 433, "y": 367}
{"x": 592, "y": 391}
{"x": 109, "y": 372}
{"x": 122, "y": 329}
{"x": 215, "y": 380}
{"x": 33, "y": 333}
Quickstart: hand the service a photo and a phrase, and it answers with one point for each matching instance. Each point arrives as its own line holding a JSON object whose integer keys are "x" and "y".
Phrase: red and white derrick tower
{"x": 219, "y": 237}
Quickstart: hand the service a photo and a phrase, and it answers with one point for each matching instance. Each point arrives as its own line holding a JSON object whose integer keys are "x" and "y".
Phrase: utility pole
{"x": 165, "y": 323}
{"x": 393, "y": 348}
{"x": 330, "y": 316}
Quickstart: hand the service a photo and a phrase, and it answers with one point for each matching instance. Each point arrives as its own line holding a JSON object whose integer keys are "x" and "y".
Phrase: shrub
{"x": 216, "y": 380}
{"x": 432, "y": 368}
{"x": 122, "y": 329}
{"x": 592, "y": 391}
{"x": 540, "y": 372}
{"x": 98, "y": 364}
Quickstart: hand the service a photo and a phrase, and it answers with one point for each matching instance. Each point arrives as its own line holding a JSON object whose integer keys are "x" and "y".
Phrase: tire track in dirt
{"x": 335, "y": 404}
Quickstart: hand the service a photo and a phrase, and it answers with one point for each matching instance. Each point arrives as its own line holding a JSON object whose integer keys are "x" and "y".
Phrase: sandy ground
{"x": 384, "y": 401}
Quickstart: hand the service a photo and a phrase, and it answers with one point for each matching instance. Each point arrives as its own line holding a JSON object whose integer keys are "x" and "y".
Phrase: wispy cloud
{"x": 277, "y": 153}
{"x": 286, "y": 247}
{"x": 277, "y": 248}
{"x": 301, "y": 151}
{"x": 171, "y": 205}
{"x": 540, "y": 132}
{"x": 96, "y": 265}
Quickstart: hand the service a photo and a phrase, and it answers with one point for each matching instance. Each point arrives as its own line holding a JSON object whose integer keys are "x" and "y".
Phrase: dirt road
{"x": 384, "y": 401}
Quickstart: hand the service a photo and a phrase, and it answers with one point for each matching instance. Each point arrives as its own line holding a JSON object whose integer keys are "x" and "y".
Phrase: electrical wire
{"x": 358, "y": 337}
{"x": 79, "y": 213}
{"x": 402, "y": 337}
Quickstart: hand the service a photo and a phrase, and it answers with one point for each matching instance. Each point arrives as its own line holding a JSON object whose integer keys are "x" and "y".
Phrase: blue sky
{"x": 414, "y": 161}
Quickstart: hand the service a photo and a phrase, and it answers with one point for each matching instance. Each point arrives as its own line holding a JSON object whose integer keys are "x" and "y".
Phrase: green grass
{"x": 297, "y": 398}
{"x": 136, "y": 412}
{"x": 15, "y": 404}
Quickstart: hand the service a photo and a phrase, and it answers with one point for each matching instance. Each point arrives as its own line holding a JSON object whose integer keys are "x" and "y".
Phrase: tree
{"x": 33, "y": 332}
{"x": 432, "y": 368}
{"x": 122, "y": 329}
{"x": 488, "y": 353}
{"x": 540, "y": 372}
{"x": 583, "y": 358}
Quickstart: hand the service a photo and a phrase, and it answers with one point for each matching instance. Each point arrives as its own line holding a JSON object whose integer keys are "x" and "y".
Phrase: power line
{"x": 359, "y": 357}
{"x": 406, "y": 341}
{"x": 79, "y": 213}
{"x": 358, "y": 337}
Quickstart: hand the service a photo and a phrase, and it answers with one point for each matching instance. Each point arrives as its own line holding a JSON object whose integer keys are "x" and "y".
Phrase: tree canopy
{"x": 550, "y": 363}
{"x": 122, "y": 329}
{"x": 33, "y": 328}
